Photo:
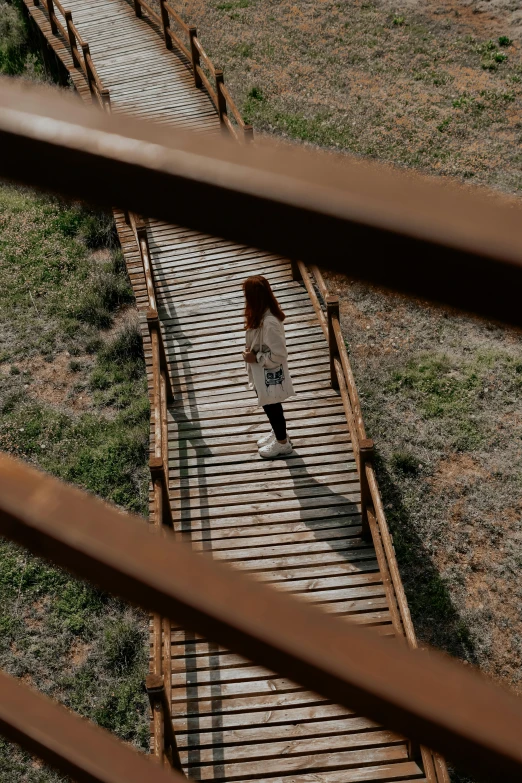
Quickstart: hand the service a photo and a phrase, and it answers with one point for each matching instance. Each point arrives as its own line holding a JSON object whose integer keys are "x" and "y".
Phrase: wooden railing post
{"x": 165, "y": 21}
{"x": 159, "y": 704}
{"x": 72, "y": 39}
{"x": 332, "y": 311}
{"x": 222, "y": 104}
{"x": 86, "y": 49}
{"x": 153, "y": 322}
{"x": 52, "y": 16}
{"x": 248, "y": 134}
{"x": 366, "y": 452}
{"x": 106, "y": 99}
{"x": 193, "y": 33}
{"x": 137, "y": 9}
{"x": 160, "y": 489}
{"x": 296, "y": 272}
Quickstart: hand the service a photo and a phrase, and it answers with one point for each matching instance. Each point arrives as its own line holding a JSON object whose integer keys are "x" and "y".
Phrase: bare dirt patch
{"x": 54, "y": 382}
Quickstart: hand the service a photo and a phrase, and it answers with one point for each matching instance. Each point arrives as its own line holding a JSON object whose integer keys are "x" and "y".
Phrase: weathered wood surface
{"x": 293, "y": 523}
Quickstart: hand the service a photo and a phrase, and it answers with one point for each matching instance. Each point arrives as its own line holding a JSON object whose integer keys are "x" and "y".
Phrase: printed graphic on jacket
{"x": 274, "y": 377}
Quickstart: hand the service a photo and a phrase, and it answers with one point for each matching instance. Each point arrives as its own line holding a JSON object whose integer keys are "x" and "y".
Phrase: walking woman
{"x": 266, "y": 360}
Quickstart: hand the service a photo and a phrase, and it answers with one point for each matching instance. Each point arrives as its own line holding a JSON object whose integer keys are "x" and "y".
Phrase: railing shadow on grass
{"x": 436, "y": 619}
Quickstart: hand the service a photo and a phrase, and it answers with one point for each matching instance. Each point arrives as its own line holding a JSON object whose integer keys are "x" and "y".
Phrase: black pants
{"x": 276, "y": 417}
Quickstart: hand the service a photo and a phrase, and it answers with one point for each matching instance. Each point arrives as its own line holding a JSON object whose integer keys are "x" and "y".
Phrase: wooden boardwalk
{"x": 293, "y": 523}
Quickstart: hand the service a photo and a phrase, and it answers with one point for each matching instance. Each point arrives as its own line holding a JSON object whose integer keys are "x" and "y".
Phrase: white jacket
{"x": 271, "y": 354}
{"x": 273, "y": 351}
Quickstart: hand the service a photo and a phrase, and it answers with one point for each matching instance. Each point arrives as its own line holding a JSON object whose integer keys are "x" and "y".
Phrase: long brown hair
{"x": 258, "y": 299}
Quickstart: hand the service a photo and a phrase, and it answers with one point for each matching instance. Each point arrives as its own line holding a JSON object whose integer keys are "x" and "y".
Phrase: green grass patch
{"x": 16, "y": 55}
{"x": 64, "y": 284}
{"x": 439, "y": 389}
{"x": 232, "y": 5}
{"x": 243, "y": 50}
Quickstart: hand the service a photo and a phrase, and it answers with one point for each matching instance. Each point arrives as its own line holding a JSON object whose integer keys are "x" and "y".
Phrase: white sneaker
{"x": 266, "y": 439}
{"x": 275, "y": 450}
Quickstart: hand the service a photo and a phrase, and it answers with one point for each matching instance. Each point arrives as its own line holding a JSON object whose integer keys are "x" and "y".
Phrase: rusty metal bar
{"x": 74, "y": 746}
{"x": 423, "y": 695}
{"x": 419, "y": 236}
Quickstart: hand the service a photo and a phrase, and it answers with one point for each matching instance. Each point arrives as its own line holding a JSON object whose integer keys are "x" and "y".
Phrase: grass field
{"x": 431, "y": 86}
{"x": 73, "y": 402}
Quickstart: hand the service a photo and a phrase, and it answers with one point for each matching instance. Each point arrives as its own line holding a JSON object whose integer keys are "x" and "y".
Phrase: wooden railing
{"x": 423, "y": 695}
{"x": 80, "y": 50}
{"x": 158, "y": 683}
{"x": 204, "y": 71}
{"x": 374, "y": 525}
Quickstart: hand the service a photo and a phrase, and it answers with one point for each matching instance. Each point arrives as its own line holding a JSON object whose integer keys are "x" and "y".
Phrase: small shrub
{"x": 230, "y": 6}
{"x": 399, "y": 21}
{"x": 99, "y": 230}
{"x": 504, "y": 41}
{"x": 95, "y": 228}
{"x": 75, "y": 366}
{"x": 122, "y": 646}
{"x": 93, "y": 345}
{"x": 256, "y": 94}
{"x": 126, "y": 346}
{"x": 68, "y": 221}
{"x": 76, "y": 602}
{"x": 13, "y": 43}
{"x": 243, "y": 50}
{"x": 405, "y": 463}
{"x": 108, "y": 292}
{"x": 444, "y": 125}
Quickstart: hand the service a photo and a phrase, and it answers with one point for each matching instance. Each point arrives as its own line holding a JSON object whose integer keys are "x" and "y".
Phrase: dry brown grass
{"x": 422, "y": 85}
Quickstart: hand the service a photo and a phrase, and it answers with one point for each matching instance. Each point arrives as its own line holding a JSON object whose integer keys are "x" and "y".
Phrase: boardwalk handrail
{"x": 423, "y": 695}
{"x": 75, "y": 42}
{"x": 75, "y": 746}
{"x": 159, "y": 683}
{"x": 373, "y": 518}
{"x": 196, "y": 56}
{"x": 417, "y": 232}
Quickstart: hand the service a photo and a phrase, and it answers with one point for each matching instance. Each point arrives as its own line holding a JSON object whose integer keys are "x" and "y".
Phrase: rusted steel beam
{"x": 408, "y": 233}
{"x": 71, "y": 744}
{"x": 424, "y": 695}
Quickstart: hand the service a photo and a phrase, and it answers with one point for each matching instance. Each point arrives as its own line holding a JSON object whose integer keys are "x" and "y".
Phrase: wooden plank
{"x": 283, "y": 748}
{"x": 289, "y": 732}
{"x": 344, "y": 759}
